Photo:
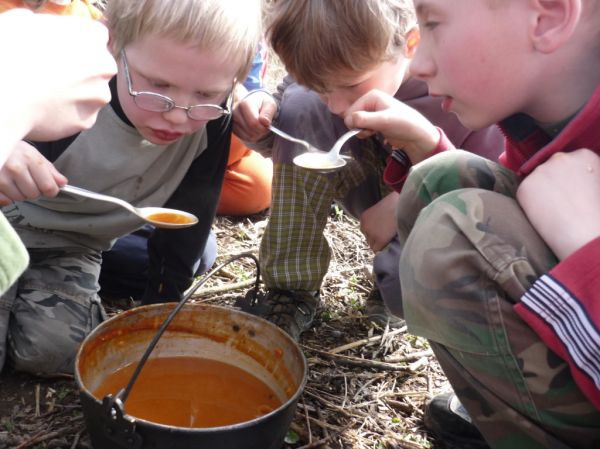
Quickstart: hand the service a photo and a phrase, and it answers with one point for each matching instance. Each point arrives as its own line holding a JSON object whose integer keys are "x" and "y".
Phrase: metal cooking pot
{"x": 212, "y": 332}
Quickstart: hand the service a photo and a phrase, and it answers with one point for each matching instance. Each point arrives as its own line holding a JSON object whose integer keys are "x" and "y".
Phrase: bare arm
{"x": 561, "y": 198}
{"x": 65, "y": 97}
{"x": 378, "y": 223}
{"x": 61, "y": 100}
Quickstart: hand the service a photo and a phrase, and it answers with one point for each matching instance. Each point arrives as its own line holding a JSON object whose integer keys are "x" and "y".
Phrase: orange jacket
{"x": 81, "y": 8}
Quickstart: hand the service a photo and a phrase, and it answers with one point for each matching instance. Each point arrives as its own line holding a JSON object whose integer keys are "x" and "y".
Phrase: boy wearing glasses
{"x": 162, "y": 141}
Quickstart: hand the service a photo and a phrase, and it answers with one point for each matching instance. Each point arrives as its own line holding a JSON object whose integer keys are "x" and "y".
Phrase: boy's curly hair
{"x": 318, "y": 39}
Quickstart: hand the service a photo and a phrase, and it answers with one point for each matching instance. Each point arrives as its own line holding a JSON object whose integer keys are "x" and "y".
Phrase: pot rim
{"x": 134, "y": 419}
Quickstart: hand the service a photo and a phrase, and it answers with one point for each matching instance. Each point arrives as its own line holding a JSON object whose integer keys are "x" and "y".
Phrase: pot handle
{"x": 121, "y": 397}
{"x": 117, "y": 426}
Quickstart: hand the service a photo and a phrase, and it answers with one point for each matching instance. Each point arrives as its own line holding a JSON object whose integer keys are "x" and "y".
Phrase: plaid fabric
{"x": 294, "y": 253}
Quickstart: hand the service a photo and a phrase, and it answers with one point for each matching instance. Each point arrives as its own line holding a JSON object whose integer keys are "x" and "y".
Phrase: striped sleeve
{"x": 562, "y": 308}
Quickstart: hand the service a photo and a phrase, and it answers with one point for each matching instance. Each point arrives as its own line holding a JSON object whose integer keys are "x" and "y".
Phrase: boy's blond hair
{"x": 230, "y": 27}
{"x": 318, "y": 39}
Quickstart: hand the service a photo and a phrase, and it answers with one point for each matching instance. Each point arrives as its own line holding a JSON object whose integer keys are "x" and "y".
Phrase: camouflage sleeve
{"x": 563, "y": 307}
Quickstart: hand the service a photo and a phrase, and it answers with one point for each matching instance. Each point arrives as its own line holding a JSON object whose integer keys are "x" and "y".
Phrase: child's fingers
{"x": 369, "y": 121}
{"x": 267, "y": 112}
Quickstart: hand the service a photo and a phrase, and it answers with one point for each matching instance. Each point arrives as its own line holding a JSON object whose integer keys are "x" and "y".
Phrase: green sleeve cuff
{"x": 13, "y": 255}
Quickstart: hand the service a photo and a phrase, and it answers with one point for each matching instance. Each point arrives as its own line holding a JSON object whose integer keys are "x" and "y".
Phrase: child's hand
{"x": 561, "y": 198}
{"x": 28, "y": 175}
{"x": 401, "y": 125}
{"x": 378, "y": 223}
{"x": 253, "y": 115}
{"x": 57, "y": 75}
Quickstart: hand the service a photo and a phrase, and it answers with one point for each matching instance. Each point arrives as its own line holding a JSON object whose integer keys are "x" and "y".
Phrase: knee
{"x": 47, "y": 343}
{"x": 463, "y": 239}
{"x": 51, "y": 355}
{"x": 247, "y": 190}
{"x": 443, "y": 172}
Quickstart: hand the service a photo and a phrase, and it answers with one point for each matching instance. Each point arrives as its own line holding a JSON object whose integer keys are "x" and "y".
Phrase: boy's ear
{"x": 555, "y": 24}
{"x": 412, "y": 42}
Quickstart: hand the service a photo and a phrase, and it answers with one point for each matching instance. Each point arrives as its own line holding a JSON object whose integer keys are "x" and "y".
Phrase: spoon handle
{"x": 290, "y": 138}
{"x": 337, "y": 146}
{"x": 98, "y": 196}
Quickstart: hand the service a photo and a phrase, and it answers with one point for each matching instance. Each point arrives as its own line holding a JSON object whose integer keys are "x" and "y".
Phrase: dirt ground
{"x": 366, "y": 386}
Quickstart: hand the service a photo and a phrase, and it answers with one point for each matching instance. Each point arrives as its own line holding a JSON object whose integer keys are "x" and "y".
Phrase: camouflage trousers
{"x": 48, "y": 312}
{"x": 469, "y": 256}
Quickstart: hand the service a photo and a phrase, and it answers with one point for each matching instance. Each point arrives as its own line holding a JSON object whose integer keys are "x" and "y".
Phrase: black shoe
{"x": 291, "y": 310}
{"x": 449, "y": 421}
{"x": 379, "y": 314}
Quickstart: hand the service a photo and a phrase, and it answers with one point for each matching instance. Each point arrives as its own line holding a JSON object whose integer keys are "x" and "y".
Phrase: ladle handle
{"x": 124, "y": 394}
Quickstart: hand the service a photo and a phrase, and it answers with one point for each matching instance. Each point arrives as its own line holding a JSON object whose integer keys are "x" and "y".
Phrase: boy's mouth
{"x": 166, "y": 136}
{"x": 446, "y": 104}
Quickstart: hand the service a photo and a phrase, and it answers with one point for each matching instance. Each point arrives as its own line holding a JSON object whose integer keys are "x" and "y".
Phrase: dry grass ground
{"x": 366, "y": 386}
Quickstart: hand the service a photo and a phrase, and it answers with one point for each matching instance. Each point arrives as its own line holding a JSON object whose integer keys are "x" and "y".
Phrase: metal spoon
{"x": 304, "y": 143}
{"x": 326, "y": 161}
{"x": 160, "y": 217}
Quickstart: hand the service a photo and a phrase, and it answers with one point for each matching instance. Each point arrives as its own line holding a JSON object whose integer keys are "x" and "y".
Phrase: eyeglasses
{"x": 151, "y": 101}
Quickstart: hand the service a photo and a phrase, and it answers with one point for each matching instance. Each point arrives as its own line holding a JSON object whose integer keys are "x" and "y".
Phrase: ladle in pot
{"x": 161, "y": 217}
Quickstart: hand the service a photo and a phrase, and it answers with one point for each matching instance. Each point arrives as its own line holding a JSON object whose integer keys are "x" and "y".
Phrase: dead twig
{"x": 401, "y": 443}
{"x": 315, "y": 444}
{"x": 325, "y": 430}
{"x": 40, "y": 437}
{"x": 37, "y": 400}
{"x": 366, "y": 341}
{"x": 307, "y": 420}
{"x": 326, "y": 439}
{"x": 76, "y": 439}
{"x": 209, "y": 291}
{"x": 363, "y": 363}
{"x": 409, "y": 357}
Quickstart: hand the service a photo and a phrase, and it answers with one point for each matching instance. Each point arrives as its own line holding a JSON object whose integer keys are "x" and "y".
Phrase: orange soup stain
{"x": 192, "y": 392}
{"x": 170, "y": 218}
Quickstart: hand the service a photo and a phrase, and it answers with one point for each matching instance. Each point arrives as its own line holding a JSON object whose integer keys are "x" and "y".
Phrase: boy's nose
{"x": 336, "y": 104}
{"x": 176, "y": 116}
{"x": 422, "y": 65}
